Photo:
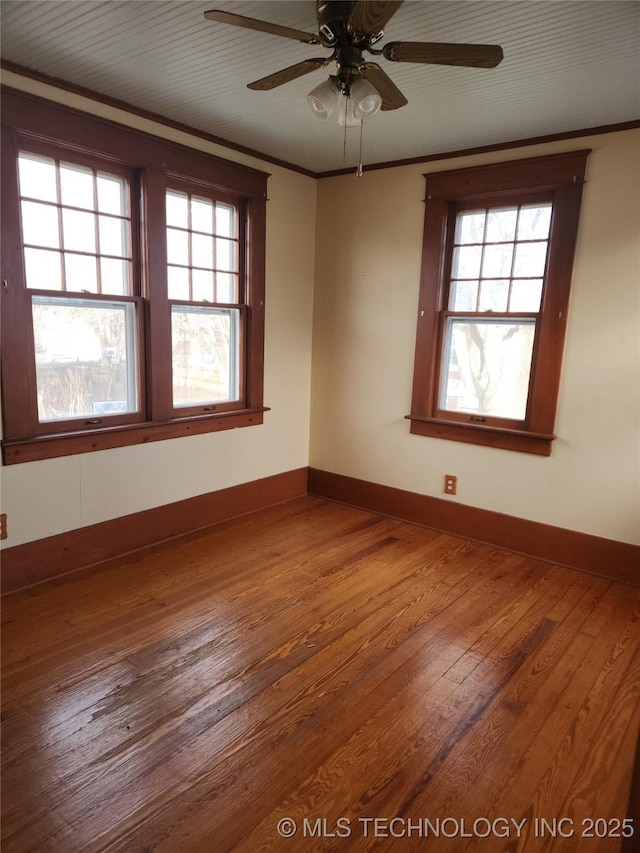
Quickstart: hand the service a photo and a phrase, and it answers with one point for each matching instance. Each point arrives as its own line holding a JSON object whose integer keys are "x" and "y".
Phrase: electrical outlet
{"x": 450, "y": 484}
{"x": 3, "y": 526}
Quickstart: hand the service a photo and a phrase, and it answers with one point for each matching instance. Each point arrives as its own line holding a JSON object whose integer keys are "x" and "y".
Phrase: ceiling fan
{"x": 349, "y": 28}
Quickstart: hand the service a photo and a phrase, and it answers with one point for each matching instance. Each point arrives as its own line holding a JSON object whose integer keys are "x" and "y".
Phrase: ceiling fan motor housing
{"x": 332, "y": 21}
{"x": 350, "y": 64}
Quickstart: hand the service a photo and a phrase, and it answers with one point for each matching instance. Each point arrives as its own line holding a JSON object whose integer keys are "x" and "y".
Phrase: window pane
{"x": 466, "y": 262}
{"x": 226, "y": 287}
{"x": 112, "y": 195}
{"x": 486, "y": 367}
{"x": 204, "y": 355}
{"x": 530, "y": 259}
{"x": 177, "y": 210}
{"x": 496, "y": 262}
{"x": 76, "y": 186}
{"x": 501, "y": 224}
{"x": 202, "y": 251}
{"x": 202, "y": 215}
{"x": 202, "y": 285}
{"x": 464, "y": 296}
{"x": 40, "y": 224}
{"x": 177, "y": 247}
{"x": 225, "y": 220}
{"x": 43, "y": 269}
{"x": 470, "y": 227}
{"x": 85, "y": 358}
{"x": 37, "y": 177}
{"x": 225, "y": 255}
{"x": 178, "y": 282}
{"x": 79, "y": 230}
{"x": 526, "y": 295}
{"x": 114, "y": 236}
{"x": 81, "y": 272}
{"x": 534, "y": 222}
{"x": 494, "y": 294}
{"x": 116, "y": 279}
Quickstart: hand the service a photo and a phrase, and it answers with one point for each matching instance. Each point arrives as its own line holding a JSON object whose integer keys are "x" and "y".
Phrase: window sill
{"x": 505, "y": 439}
{"x": 15, "y": 451}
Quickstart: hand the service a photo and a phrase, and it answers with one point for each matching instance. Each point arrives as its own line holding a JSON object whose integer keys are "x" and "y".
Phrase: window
{"x": 133, "y": 295}
{"x": 76, "y": 227}
{"x": 496, "y": 271}
{"x": 203, "y": 251}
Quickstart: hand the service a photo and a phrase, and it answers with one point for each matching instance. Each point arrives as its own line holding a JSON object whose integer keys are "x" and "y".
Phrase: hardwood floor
{"x": 321, "y": 664}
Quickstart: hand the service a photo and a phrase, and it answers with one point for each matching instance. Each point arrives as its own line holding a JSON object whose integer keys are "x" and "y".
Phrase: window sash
{"x": 480, "y": 294}
{"x": 32, "y": 299}
{"x": 204, "y": 233}
{"x": 228, "y": 222}
{"x": 208, "y": 361}
{"x": 77, "y": 228}
{"x": 557, "y": 179}
{"x": 497, "y": 402}
{"x": 78, "y": 369}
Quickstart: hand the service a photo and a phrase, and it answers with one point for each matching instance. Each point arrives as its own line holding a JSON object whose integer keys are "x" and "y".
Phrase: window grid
{"x": 61, "y": 251}
{"x": 216, "y": 269}
{"x": 511, "y": 277}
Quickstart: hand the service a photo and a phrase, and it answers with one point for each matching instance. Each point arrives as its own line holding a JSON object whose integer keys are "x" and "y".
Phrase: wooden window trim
{"x": 35, "y": 123}
{"x": 559, "y": 177}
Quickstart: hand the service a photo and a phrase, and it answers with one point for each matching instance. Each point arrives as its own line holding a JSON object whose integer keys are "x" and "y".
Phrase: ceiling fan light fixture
{"x": 365, "y": 99}
{"x": 362, "y": 102}
{"x": 323, "y": 99}
{"x": 346, "y": 116}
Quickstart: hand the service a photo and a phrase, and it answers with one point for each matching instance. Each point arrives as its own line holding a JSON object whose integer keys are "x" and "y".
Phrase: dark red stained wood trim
{"x": 26, "y": 117}
{"x": 48, "y": 446}
{"x": 24, "y": 565}
{"x": 561, "y": 177}
{"x": 17, "y": 338}
{"x": 39, "y": 118}
{"x": 505, "y": 439}
{"x": 139, "y": 111}
{"x": 506, "y": 177}
{"x": 154, "y": 281}
{"x": 486, "y": 149}
{"x": 255, "y": 296}
{"x": 608, "y": 558}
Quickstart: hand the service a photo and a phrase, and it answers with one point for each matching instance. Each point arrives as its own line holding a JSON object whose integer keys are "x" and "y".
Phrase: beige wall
{"x": 53, "y": 496}
{"x": 366, "y": 236}
{"x": 369, "y": 238}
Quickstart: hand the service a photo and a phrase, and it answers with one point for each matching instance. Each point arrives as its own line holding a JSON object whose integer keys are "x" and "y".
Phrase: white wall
{"x": 53, "y": 496}
{"x": 369, "y": 240}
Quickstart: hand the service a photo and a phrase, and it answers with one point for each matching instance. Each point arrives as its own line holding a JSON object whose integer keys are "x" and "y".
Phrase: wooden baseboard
{"x": 44, "y": 559}
{"x": 24, "y": 565}
{"x": 619, "y": 561}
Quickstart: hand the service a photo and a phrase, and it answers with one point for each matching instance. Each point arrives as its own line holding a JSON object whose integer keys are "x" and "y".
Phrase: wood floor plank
{"x": 195, "y": 722}
{"x": 375, "y": 669}
{"x": 315, "y": 662}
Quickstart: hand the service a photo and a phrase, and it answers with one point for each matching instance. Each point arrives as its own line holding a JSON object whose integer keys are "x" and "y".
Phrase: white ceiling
{"x": 568, "y": 66}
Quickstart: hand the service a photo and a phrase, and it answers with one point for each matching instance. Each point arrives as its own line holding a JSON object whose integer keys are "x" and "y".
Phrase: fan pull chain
{"x": 359, "y": 169}
{"x": 344, "y": 144}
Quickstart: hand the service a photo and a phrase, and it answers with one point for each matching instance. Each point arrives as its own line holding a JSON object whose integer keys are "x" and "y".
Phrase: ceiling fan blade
{"x": 392, "y": 97}
{"x": 262, "y": 26}
{"x": 436, "y": 53}
{"x": 372, "y": 16}
{"x": 287, "y": 74}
